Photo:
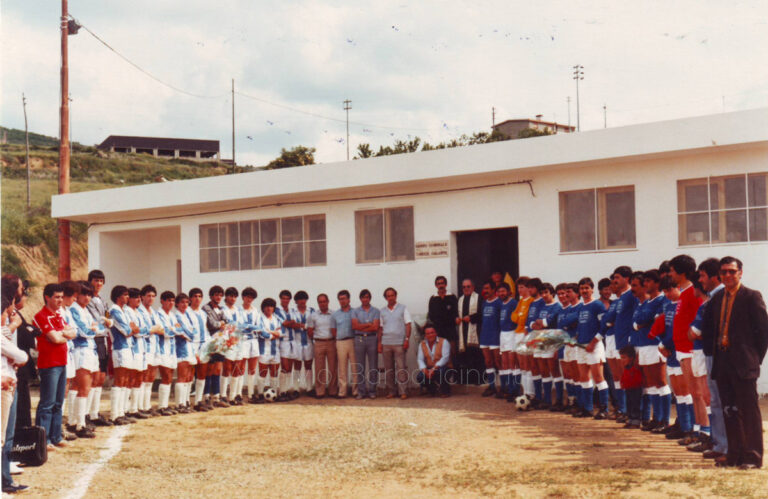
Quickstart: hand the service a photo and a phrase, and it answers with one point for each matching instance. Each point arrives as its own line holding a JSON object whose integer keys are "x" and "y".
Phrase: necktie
{"x": 724, "y": 322}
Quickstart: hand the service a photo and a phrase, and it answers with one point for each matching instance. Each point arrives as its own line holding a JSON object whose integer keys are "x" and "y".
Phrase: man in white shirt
{"x": 394, "y": 335}
{"x": 324, "y": 338}
{"x": 434, "y": 354}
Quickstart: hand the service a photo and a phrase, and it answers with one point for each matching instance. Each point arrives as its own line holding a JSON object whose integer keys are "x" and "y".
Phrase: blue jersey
{"x": 609, "y": 317}
{"x": 285, "y": 315}
{"x": 268, "y": 346}
{"x": 589, "y": 321}
{"x": 623, "y": 323}
{"x": 251, "y": 322}
{"x": 533, "y": 312}
{"x": 120, "y": 330}
{"x": 568, "y": 319}
{"x": 668, "y": 309}
{"x": 301, "y": 318}
{"x": 489, "y": 326}
{"x": 642, "y": 320}
{"x": 697, "y": 323}
{"x": 83, "y": 321}
{"x": 505, "y": 319}
{"x": 548, "y": 314}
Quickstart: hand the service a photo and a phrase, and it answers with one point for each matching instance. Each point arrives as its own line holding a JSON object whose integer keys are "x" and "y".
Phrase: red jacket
{"x": 687, "y": 306}
{"x": 632, "y": 377}
{"x": 50, "y": 354}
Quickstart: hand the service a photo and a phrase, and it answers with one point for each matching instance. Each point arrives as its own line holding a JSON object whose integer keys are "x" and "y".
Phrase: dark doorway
{"x": 480, "y": 252}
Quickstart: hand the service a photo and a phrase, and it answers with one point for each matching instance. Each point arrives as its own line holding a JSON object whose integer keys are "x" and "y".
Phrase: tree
{"x": 364, "y": 151}
{"x": 297, "y": 156}
{"x": 533, "y": 132}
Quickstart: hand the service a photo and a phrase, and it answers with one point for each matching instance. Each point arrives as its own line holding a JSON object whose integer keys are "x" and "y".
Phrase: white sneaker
{"x": 15, "y": 469}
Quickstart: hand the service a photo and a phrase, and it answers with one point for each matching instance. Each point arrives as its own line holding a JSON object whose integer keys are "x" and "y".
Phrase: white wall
{"x": 436, "y": 216}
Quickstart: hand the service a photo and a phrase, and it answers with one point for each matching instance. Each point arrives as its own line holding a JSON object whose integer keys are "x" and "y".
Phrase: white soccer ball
{"x": 270, "y": 395}
{"x": 522, "y": 403}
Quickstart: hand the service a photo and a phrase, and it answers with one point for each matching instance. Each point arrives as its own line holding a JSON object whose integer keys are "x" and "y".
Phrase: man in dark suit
{"x": 735, "y": 332}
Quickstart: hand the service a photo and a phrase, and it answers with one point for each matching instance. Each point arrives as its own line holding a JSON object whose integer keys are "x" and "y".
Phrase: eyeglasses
{"x": 466, "y": 287}
{"x": 729, "y": 271}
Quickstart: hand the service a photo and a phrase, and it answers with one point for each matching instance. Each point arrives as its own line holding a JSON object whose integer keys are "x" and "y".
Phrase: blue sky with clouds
{"x": 432, "y": 69}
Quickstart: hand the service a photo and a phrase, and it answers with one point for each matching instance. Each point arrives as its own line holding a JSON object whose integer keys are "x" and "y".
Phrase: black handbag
{"x": 30, "y": 446}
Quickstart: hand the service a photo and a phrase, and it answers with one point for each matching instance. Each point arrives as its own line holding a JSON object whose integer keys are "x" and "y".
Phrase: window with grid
{"x": 597, "y": 219}
{"x": 263, "y": 244}
{"x": 725, "y": 209}
{"x": 384, "y": 235}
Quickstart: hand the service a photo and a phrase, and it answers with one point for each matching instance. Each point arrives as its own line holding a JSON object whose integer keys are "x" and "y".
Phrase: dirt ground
{"x": 464, "y": 446}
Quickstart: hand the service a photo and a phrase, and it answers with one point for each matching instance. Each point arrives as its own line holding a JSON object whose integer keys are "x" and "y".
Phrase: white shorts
{"x": 190, "y": 356}
{"x": 540, "y": 354}
{"x": 288, "y": 349}
{"x": 266, "y": 356}
{"x": 122, "y": 358}
{"x": 675, "y": 371}
{"x": 570, "y": 354}
{"x": 596, "y": 356}
{"x": 151, "y": 351}
{"x": 648, "y": 355}
{"x": 507, "y": 341}
{"x": 699, "y": 363}
{"x": 249, "y": 348}
{"x": 490, "y": 347}
{"x": 86, "y": 358}
{"x": 305, "y": 352}
{"x": 683, "y": 355}
{"x": 235, "y": 353}
{"x": 168, "y": 360}
{"x": 610, "y": 348}
{"x": 70, "y": 363}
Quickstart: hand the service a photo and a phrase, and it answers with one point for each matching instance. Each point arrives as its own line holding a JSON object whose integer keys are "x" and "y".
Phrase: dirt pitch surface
{"x": 464, "y": 446}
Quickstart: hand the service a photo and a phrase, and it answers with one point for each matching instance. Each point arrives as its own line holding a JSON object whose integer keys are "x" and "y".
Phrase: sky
{"x": 428, "y": 69}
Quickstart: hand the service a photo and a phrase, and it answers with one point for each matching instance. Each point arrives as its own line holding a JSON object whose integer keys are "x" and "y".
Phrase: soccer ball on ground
{"x": 522, "y": 403}
{"x": 270, "y": 395}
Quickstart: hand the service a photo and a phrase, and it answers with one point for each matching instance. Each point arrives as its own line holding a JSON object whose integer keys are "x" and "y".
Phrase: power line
{"x": 158, "y": 80}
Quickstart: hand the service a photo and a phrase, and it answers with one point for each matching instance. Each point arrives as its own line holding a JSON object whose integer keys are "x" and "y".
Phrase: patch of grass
{"x": 12, "y": 263}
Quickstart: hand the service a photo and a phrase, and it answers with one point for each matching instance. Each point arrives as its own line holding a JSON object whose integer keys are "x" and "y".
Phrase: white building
{"x": 559, "y": 207}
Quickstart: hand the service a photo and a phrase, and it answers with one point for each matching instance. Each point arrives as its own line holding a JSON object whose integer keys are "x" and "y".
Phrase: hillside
{"x": 16, "y": 136}
{"x": 29, "y": 240}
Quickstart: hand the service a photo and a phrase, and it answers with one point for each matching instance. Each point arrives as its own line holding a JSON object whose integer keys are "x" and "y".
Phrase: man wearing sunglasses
{"x": 735, "y": 330}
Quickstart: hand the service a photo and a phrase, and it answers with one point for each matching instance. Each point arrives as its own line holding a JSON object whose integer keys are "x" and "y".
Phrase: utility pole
{"x": 26, "y": 139}
{"x": 233, "y": 126}
{"x": 568, "y": 100}
{"x": 65, "y": 269}
{"x": 605, "y": 116}
{"x": 493, "y": 117}
{"x": 578, "y": 74}
{"x": 347, "y": 107}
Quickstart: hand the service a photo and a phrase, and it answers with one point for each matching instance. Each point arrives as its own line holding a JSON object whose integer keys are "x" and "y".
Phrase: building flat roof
{"x": 503, "y": 162}
{"x": 160, "y": 143}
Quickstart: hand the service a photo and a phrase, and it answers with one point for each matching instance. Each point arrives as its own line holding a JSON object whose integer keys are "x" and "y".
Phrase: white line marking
{"x": 112, "y": 447}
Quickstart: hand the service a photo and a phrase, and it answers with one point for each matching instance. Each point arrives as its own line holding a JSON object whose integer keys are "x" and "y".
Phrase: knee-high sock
{"x": 71, "y": 410}
{"x": 621, "y": 397}
{"x": 578, "y": 398}
{"x": 603, "y": 395}
{"x": 309, "y": 381}
{"x": 653, "y": 392}
{"x": 114, "y": 402}
{"x": 147, "y": 395}
{"x": 240, "y": 383}
{"x": 558, "y": 390}
{"x": 587, "y": 395}
{"x": 261, "y": 382}
{"x": 512, "y": 386}
{"x": 135, "y": 395}
{"x": 683, "y": 413}
{"x": 283, "y": 381}
{"x": 88, "y": 401}
{"x": 95, "y": 402}
{"x": 503, "y": 379}
{"x": 546, "y": 390}
{"x": 530, "y": 388}
{"x": 126, "y": 399}
{"x": 216, "y": 385}
{"x": 199, "y": 390}
{"x": 645, "y": 404}
{"x": 225, "y": 380}
{"x": 490, "y": 374}
{"x": 81, "y": 406}
{"x": 665, "y": 396}
{"x": 178, "y": 393}
{"x": 163, "y": 394}
{"x": 250, "y": 382}
{"x": 537, "y": 387}
{"x": 274, "y": 381}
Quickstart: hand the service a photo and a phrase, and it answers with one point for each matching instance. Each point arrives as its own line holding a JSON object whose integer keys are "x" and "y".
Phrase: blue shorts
{"x": 489, "y": 339}
{"x": 672, "y": 359}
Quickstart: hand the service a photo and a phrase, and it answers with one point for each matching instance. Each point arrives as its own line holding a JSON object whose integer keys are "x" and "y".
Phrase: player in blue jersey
{"x": 591, "y": 358}
{"x": 621, "y": 321}
{"x": 531, "y": 375}
{"x": 545, "y": 361}
{"x": 229, "y": 372}
{"x": 85, "y": 356}
{"x": 167, "y": 348}
{"x": 649, "y": 357}
{"x": 288, "y": 354}
{"x": 568, "y": 321}
{"x": 506, "y": 340}
{"x": 121, "y": 334}
{"x": 489, "y": 335}
{"x": 699, "y": 388}
{"x": 185, "y": 353}
{"x": 270, "y": 334}
{"x": 303, "y": 347}
{"x": 663, "y": 329}
{"x": 201, "y": 369}
{"x": 139, "y": 356}
{"x": 148, "y": 316}
{"x": 250, "y": 347}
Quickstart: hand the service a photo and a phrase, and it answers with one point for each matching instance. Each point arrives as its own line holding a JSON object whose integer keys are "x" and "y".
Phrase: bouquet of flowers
{"x": 221, "y": 342}
{"x": 550, "y": 340}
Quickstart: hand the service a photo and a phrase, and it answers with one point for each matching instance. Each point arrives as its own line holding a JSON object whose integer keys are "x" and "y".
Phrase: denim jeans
{"x": 10, "y": 430}
{"x": 53, "y": 384}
